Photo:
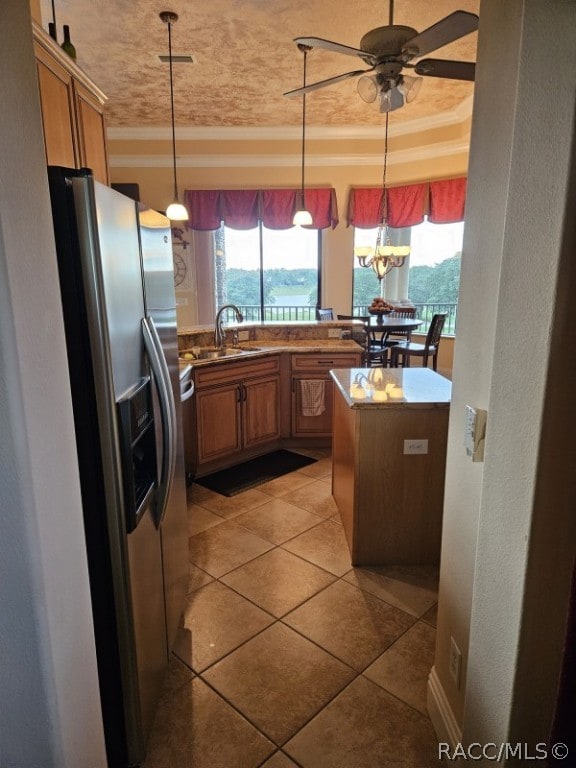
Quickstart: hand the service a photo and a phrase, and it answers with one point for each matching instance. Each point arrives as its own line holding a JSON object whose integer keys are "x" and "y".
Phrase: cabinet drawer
{"x": 325, "y": 361}
{"x": 225, "y": 373}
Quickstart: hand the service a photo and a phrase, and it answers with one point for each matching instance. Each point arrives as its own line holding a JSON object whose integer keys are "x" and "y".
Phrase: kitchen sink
{"x": 213, "y": 353}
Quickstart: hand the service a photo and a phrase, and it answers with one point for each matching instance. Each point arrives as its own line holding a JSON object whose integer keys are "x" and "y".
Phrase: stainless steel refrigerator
{"x": 116, "y": 278}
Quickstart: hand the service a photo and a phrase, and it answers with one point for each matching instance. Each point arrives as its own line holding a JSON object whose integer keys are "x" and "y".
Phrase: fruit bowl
{"x": 377, "y": 311}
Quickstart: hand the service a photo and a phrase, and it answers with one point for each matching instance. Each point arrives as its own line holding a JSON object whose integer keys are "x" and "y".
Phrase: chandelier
{"x": 383, "y": 256}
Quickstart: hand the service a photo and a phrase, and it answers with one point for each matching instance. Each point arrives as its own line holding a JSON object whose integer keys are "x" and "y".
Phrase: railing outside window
{"x": 282, "y": 314}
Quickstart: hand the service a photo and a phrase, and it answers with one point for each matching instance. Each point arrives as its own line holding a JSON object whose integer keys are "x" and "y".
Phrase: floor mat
{"x": 229, "y": 482}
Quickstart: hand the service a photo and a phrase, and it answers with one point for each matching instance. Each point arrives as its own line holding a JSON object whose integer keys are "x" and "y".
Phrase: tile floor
{"x": 287, "y": 656}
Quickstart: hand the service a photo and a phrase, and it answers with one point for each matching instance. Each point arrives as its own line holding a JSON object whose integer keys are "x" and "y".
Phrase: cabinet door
{"x": 303, "y": 425}
{"x": 261, "y": 411}
{"x": 92, "y": 133}
{"x": 218, "y": 422}
{"x": 57, "y": 106}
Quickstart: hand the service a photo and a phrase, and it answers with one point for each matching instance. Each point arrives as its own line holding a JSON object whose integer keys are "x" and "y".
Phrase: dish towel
{"x": 312, "y": 391}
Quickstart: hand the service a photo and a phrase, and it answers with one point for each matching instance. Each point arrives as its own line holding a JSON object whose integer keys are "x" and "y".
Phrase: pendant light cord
{"x": 305, "y": 51}
{"x": 172, "y": 111}
{"x": 383, "y": 204}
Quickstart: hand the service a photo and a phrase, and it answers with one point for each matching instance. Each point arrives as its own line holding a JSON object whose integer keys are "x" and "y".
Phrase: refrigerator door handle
{"x": 168, "y": 415}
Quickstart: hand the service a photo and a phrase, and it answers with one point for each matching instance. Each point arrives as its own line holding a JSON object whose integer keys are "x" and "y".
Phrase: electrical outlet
{"x": 455, "y": 662}
{"x": 243, "y": 335}
{"x": 415, "y": 446}
{"x": 334, "y": 333}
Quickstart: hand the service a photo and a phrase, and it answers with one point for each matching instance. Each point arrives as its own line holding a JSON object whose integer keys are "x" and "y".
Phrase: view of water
{"x": 291, "y": 300}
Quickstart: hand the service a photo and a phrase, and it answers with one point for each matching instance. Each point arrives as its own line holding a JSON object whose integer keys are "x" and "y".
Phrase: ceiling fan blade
{"x": 445, "y": 31}
{"x": 454, "y": 70}
{"x": 324, "y": 83}
{"x": 319, "y": 42}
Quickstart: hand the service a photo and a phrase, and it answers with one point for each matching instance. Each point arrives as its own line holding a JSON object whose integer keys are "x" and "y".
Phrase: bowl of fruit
{"x": 380, "y": 307}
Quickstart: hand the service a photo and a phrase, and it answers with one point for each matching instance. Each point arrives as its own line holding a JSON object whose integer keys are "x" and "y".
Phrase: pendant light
{"x": 302, "y": 217}
{"x": 175, "y": 211}
{"x": 383, "y": 256}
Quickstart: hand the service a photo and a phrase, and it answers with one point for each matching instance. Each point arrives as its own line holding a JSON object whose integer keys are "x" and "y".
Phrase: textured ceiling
{"x": 246, "y": 59}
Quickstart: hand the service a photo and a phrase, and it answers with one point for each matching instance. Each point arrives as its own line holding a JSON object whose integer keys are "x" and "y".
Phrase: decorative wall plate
{"x": 179, "y": 269}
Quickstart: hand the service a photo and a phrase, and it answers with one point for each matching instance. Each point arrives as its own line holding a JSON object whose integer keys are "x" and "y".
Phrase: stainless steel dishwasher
{"x": 186, "y": 392}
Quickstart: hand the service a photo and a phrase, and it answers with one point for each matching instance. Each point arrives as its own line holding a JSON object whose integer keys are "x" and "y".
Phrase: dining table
{"x": 379, "y": 327}
{"x": 384, "y": 325}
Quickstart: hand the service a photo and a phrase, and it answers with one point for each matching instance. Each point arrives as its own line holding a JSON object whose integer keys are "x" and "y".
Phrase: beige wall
{"x": 156, "y": 182}
{"x": 49, "y": 703}
{"x": 509, "y": 535}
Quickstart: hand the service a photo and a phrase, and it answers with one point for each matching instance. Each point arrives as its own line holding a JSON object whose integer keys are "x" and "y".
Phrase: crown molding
{"x": 440, "y": 149}
{"x": 286, "y": 133}
{"x": 69, "y": 65}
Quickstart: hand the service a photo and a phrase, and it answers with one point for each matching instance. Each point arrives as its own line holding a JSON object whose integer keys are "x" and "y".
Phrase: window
{"x": 268, "y": 273}
{"x": 433, "y": 276}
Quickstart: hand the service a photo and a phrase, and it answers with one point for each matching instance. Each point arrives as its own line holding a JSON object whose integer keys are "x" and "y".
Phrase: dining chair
{"x": 325, "y": 314}
{"x": 357, "y": 334}
{"x": 375, "y": 349}
{"x": 429, "y": 349}
{"x": 395, "y": 337}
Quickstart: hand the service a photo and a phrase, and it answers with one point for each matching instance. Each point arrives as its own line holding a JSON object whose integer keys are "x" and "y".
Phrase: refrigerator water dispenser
{"x": 138, "y": 450}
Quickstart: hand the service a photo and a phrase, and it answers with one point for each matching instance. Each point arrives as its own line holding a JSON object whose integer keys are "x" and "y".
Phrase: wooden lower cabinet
{"x": 306, "y": 426}
{"x": 261, "y": 411}
{"x": 314, "y": 366}
{"x": 242, "y": 409}
{"x": 218, "y": 422}
{"x": 237, "y": 411}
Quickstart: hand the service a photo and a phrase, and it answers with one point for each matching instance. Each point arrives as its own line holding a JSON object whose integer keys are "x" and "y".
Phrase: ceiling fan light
{"x": 391, "y": 100}
{"x": 177, "y": 212}
{"x": 368, "y": 88}
{"x": 410, "y": 87}
{"x": 302, "y": 218}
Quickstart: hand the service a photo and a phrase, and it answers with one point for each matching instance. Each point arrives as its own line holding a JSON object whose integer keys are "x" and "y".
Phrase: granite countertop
{"x": 272, "y": 326}
{"x": 249, "y": 350}
{"x": 380, "y": 388}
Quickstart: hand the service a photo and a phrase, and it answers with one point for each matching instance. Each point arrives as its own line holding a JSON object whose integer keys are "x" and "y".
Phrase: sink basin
{"x": 213, "y": 353}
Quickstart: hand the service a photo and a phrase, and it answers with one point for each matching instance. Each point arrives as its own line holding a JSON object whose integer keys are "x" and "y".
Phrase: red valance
{"x": 407, "y": 205}
{"x": 442, "y": 201}
{"x": 238, "y": 208}
{"x": 244, "y": 208}
{"x": 447, "y": 201}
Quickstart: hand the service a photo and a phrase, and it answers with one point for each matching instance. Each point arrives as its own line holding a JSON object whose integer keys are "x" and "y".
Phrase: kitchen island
{"x": 390, "y": 430}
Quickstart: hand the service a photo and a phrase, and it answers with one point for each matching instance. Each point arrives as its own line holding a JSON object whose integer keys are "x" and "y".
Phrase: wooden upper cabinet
{"x": 72, "y": 110}
{"x": 58, "y": 110}
{"x": 92, "y": 133}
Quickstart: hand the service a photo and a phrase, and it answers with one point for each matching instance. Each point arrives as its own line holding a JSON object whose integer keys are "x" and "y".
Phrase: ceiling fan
{"x": 388, "y": 50}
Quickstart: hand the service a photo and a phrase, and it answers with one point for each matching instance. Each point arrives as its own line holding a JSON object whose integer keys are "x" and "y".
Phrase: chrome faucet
{"x": 218, "y": 331}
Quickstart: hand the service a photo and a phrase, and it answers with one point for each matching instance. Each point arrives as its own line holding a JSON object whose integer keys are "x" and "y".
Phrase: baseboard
{"x": 441, "y": 715}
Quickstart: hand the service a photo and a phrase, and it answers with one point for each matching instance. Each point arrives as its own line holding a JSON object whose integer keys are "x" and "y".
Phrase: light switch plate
{"x": 334, "y": 333}
{"x": 415, "y": 446}
{"x": 475, "y": 432}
